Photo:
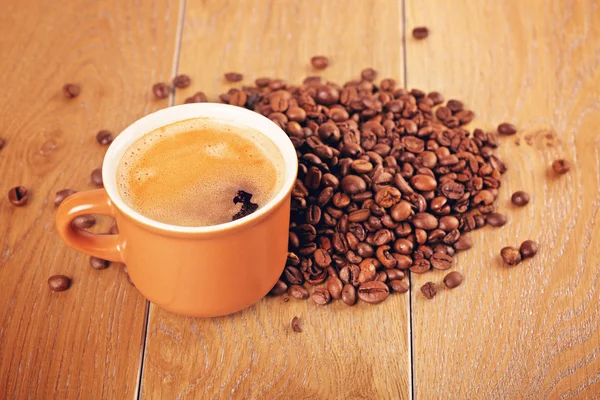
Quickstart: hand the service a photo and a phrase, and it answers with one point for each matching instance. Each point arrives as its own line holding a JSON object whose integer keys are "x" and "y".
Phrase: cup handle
{"x": 106, "y": 247}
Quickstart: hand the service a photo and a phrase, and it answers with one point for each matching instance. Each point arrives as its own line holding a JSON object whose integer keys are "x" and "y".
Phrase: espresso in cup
{"x": 188, "y": 173}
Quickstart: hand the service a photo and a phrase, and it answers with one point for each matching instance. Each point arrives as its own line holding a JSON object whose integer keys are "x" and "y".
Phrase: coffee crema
{"x": 189, "y": 172}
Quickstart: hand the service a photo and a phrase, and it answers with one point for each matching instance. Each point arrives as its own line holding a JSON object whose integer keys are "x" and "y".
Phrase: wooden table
{"x": 532, "y": 331}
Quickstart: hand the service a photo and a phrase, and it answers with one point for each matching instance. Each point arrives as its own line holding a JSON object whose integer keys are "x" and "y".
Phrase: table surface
{"x": 527, "y": 332}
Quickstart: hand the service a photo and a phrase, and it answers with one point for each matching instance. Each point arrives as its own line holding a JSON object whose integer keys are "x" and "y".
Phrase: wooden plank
{"x": 85, "y": 342}
{"x": 531, "y": 331}
{"x": 362, "y": 352}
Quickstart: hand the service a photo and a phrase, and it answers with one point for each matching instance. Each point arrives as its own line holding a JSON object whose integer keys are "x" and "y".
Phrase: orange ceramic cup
{"x": 196, "y": 271}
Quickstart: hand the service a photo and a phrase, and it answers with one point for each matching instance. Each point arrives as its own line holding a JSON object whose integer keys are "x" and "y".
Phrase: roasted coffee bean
{"x": 403, "y": 246}
{"x": 420, "y": 266}
{"x": 429, "y": 290}
{"x": 423, "y": 183}
{"x": 59, "y": 283}
{"x": 453, "y": 279}
{"x": 335, "y": 285}
{"x": 349, "y": 295}
{"x": 161, "y": 90}
{"x": 98, "y": 263}
{"x": 368, "y": 270}
{"x": 104, "y": 137}
{"x": 295, "y": 325}
{"x": 293, "y": 276}
{"x": 18, "y": 196}
{"x": 361, "y": 166}
{"x": 321, "y": 296}
{"x": 448, "y": 223}
{"x": 84, "y": 221}
{"x": 394, "y": 274}
{"x": 200, "y": 97}
{"x": 420, "y": 33}
{"x": 71, "y": 90}
{"x": 401, "y": 211}
{"x": 403, "y": 262}
{"x": 373, "y": 292}
{"x": 441, "y": 261}
{"x": 383, "y": 236}
{"x": 510, "y": 255}
{"x": 520, "y": 198}
{"x": 279, "y": 288}
{"x": 298, "y": 292}
{"x": 528, "y": 249}
{"x": 234, "y": 77}
{"x": 425, "y": 221}
{"x": 368, "y": 74}
{"x": 96, "y": 177}
{"x": 399, "y": 286}
{"x": 353, "y": 184}
{"x": 561, "y": 167}
{"x": 388, "y": 196}
{"x": 359, "y": 215}
{"x": 319, "y": 62}
{"x": 495, "y": 219}
{"x": 385, "y": 257}
{"x": 322, "y": 258}
{"x": 181, "y": 81}
{"x": 506, "y": 128}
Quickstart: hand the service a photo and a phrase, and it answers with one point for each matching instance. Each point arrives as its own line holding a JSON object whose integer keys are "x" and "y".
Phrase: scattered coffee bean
{"x": 495, "y": 219}
{"x": 59, "y": 283}
{"x": 298, "y": 292}
{"x": 198, "y": 97}
{"x": 181, "y": 81}
{"x": 399, "y": 286}
{"x": 368, "y": 74}
{"x": 233, "y": 77}
{"x": 561, "y": 167}
{"x": 104, "y": 137}
{"x": 319, "y": 62}
{"x": 84, "y": 221}
{"x": 18, "y": 196}
{"x": 506, "y": 128}
{"x": 279, "y": 288}
{"x": 161, "y": 90}
{"x": 528, "y": 249}
{"x": 98, "y": 263}
{"x": 295, "y": 325}
{"x": 420, "y": 32}
{"x": 71, "y": 90}
{"x": 510, "y": 255}
{"x": 463, "y": 243}
{"x": 61, "y": 195}
{"x": 373, "y": 292}
{"x": 97, "y": 177}
{"x": 520, "y": 198}
{"x": 349, "y": 294}
{"x": 335, "y": 287}
{"x": 453, "y": 279}
{"x": 321, "y": 296}
{"x": 429, "y": 290}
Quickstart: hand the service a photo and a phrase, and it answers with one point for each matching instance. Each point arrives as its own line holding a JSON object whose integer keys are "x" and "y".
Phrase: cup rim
{"x": 221, "y": 113}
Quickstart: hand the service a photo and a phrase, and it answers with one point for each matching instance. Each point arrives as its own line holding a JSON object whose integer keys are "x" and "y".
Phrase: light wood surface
{"x": 363, "y": 352}
{"x": 532, "y": 331}
{"x": 85, "y": 342}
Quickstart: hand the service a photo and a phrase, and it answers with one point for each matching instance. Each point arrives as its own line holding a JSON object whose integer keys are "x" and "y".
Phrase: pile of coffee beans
{"x": 389, "y": 181}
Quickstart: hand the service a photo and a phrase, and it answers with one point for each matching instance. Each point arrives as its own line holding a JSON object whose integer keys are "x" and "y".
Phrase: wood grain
{"x": 532, "y": 331}
{"x": 343, "y": 353}
{"x": 85, "y": 342}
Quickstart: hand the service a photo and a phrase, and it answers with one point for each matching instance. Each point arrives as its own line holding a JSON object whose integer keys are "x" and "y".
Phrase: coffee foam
{"x": 187, "y": 173}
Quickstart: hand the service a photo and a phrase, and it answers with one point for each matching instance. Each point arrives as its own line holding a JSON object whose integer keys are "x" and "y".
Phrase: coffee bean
{"x": 495, "y": 219}
{"x": 104, "y": 137}
{"x": 59, "y": 283}
{"x": 279, "y": 288}
{"x": 295, "y": 325}
{"x": 353, "y": 184}
{"x": 399, "y": 286}
{"x": 373, "y": 292}
{"x": 528, "y": 249}
{"x": 181, "y": 81}
{"x": 506, "y": 128}
{"x": 401, "y": 211}
{"x": 561, "y": 167}
{"x": 425, "y": 221}
{"x": 233, "y": 77}
{"x": 319, "y": 62}
{"x": 161, "y": 90}
{"x": 453, "y": 279}
{"x": 423, "y": 183}
{"x": 98, "y": 263}
{"x": 18, "y": 196}
{"x": 335, "y": 286}
{"x": 420, "y": 266}
{"x": 84, "y": 221}
{"x": 321, "y": 296}
{"x": 368, "y": 74}
{"x": 71, "y": 90}
{"x": 463, "y": 243}
{"x": 349, "y": 295}
{"x": 322, "y": 258}
{"x": 97, "y": 177}
{"x": 441, "y": 261}
{"x": 420, "y": 32}
{"x": 429, "y": 290}
{"x": 520, "y": 198}
{"x": 293, "y": 276}
{"x": 61, "y": 195}
{"x": 198, "y": 97}
{"x": 394, "y": 274}
{"x": 298, "y": 292}
{"x": 510, "y": 255}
